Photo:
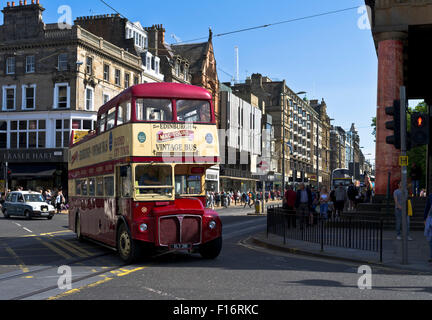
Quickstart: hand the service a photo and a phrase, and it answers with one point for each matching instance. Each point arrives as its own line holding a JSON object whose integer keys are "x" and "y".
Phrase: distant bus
{"x": 139, "y": 181}
{"x": 341, "y": 176}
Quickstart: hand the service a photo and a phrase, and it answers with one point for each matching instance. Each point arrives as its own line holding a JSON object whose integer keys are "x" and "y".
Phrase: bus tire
{"x": 79, "y": 236}
{"x": 129, "y": 250}
{"x": 212, "y": 249}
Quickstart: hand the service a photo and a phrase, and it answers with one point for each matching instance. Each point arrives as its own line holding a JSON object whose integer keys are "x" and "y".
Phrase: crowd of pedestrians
{"x": 226, "y": 199}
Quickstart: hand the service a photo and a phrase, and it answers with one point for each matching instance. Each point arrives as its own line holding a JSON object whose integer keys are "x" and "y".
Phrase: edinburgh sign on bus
{"x": 170, "y": 136}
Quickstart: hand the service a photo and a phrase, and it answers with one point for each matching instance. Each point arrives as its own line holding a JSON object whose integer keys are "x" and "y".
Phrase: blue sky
{"x": 330, "y": 57}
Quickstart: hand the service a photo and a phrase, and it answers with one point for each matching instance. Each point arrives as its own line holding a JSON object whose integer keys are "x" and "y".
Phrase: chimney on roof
{"x": 23, "y": 21}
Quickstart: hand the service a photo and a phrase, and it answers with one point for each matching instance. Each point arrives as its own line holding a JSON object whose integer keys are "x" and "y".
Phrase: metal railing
{"x": 349, "y": 232}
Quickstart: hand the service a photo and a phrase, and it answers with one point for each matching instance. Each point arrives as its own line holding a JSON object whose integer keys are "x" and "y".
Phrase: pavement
{"x": 418, "y": 251}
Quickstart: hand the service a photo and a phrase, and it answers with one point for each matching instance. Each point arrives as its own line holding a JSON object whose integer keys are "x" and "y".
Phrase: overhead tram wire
{"x": 256, "y": 27}
{"x": 275, "y": 23}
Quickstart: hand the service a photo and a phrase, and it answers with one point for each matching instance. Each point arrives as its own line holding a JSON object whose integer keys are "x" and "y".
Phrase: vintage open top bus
{"x": 138, "y": 181}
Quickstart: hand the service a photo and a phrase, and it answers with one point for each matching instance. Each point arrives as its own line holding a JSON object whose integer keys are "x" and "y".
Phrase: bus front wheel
{"x": 128, "y": 249}
{"x": 212, "y": 249}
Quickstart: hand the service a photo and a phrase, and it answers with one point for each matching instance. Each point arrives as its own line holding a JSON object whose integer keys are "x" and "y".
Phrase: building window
{"x": 106, "y": 72}
{"x": 105, "y": 98}
{"x": 89, "y": 66}
{"x": 10, "y": 65}
{"x": 117, "y": 76}
{"x": 29, "y": 97}
{"x": 9, "y": 94}
{"x": 127, "y": 80}
{"x": 28, "y": 134}
{"x": 30, "y": 64}
{"x": 136, "y": 80}
{"x": 61, "y": 96}
{"x": 63, "y": 62}
{"x": 89, "y": 99}
{"x": 62, "y": 133}
{"x": 3, "y": 134}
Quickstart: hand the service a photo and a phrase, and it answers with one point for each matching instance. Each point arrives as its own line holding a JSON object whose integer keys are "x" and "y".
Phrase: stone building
{"x": 324, "y": 147}
{"x": 337, "y": 146}
{"x": 130, "y": 36}
{"x": 52, "y": 82}
{"x": 291, "y": 113}
{"x": 241, "y": 144}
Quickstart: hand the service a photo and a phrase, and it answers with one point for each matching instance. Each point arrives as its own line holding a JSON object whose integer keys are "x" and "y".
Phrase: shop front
{"x": 36, "y": 169}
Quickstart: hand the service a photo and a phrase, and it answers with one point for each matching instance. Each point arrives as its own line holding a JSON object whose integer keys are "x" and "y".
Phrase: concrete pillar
{"x": 390, "y": 79}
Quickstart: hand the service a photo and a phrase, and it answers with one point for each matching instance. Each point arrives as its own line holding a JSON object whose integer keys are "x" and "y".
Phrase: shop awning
{"x": 32, "y": 172}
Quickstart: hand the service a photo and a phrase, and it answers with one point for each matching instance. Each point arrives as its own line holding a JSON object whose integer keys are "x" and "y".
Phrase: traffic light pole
{"x": 403, "y": 123}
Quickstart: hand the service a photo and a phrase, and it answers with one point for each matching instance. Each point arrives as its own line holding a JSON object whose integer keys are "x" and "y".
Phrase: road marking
{"x": 81, "y": 252}
{"x": 18, "y": 224}
{"x": 28, "y": 230}
{"x": 54, "y": 248}
{"x": 18, "y": 259}
{"x": 63, "y": 244}
{"x": 56, "y": 232}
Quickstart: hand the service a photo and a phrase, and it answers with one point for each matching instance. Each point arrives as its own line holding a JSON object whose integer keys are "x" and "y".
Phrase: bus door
{"x": 124, "y": 193}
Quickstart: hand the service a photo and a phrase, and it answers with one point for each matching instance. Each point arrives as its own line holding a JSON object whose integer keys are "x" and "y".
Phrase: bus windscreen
{"x": 193, "y": 111}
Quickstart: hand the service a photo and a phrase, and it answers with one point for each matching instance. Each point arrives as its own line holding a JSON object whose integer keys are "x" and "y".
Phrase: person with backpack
{"x": 352, "y": 194}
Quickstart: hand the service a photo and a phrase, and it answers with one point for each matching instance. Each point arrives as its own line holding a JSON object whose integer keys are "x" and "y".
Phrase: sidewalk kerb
{"x": 295, "y": 251}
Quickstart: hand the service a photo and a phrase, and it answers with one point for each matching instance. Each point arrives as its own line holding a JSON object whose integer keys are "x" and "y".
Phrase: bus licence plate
{"x": 181, "y": 246}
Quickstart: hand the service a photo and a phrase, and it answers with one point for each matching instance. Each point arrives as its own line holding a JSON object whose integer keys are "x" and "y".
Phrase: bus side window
{"x": 120, "y": 115}
{"x": 101, "y": 123}
{"x": 99, "y": 187}
{"x": 91, "y": 187}
{"x": 111, "y": 119}
{"x": 84, "y": 187}
{"x": 109, "y": 186}
{"x": 78, "y": 187}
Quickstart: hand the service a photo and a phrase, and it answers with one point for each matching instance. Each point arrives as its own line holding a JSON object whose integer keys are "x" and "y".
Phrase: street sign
{"x": 403, "y": 161}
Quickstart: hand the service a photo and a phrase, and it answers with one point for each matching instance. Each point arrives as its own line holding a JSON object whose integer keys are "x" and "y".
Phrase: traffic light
{"x": 419, "y": 129}
{"x": 394, "y": 125}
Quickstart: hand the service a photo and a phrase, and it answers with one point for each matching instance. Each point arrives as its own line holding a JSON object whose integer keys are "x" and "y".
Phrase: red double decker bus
{"x": 138, "y": 181}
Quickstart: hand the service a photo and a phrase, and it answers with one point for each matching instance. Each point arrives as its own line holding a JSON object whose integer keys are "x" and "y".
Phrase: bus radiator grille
{"x": 180, "y": 229}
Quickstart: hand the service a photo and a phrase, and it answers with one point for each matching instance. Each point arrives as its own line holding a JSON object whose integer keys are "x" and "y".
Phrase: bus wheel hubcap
{"x": 124, "y": 244}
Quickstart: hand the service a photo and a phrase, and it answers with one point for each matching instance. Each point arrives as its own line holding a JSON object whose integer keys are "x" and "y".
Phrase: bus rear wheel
{"x": 128, "y": 249}
{"x": 79, "y": 236}
{"x": 212, "y": 249}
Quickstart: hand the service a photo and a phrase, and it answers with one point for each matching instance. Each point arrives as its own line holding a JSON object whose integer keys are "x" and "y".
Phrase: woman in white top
{"x": 324, "y": 203}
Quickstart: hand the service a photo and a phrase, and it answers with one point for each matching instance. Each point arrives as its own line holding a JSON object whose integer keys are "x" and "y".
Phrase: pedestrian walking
{"x": 303, "y": 204}
{"x": 324, "y": 200}
{"x": 341, "y": 198}
{"x": 352, "y": 193}
{"x": 428, "y": 224}
{"x": 397, "y": 195}
{"x": 60, "y": 201}
{"x": 416, "y": 174}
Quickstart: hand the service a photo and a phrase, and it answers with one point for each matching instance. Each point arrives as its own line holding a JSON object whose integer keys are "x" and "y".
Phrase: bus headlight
{"x": 143, "y": 227}
{"x": 212, "y": 225}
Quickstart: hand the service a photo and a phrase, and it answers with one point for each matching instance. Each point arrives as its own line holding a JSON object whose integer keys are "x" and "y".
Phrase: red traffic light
{"x": 419, "y": 121}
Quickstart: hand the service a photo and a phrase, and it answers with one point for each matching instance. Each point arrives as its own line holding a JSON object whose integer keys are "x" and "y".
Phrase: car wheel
{"x": 50, "y": 217}
{"x": 5, "y": 214}
{"x": 27, "y": 215}
{"x": 128, "y": 249}
{"x": 212, "y": 249}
